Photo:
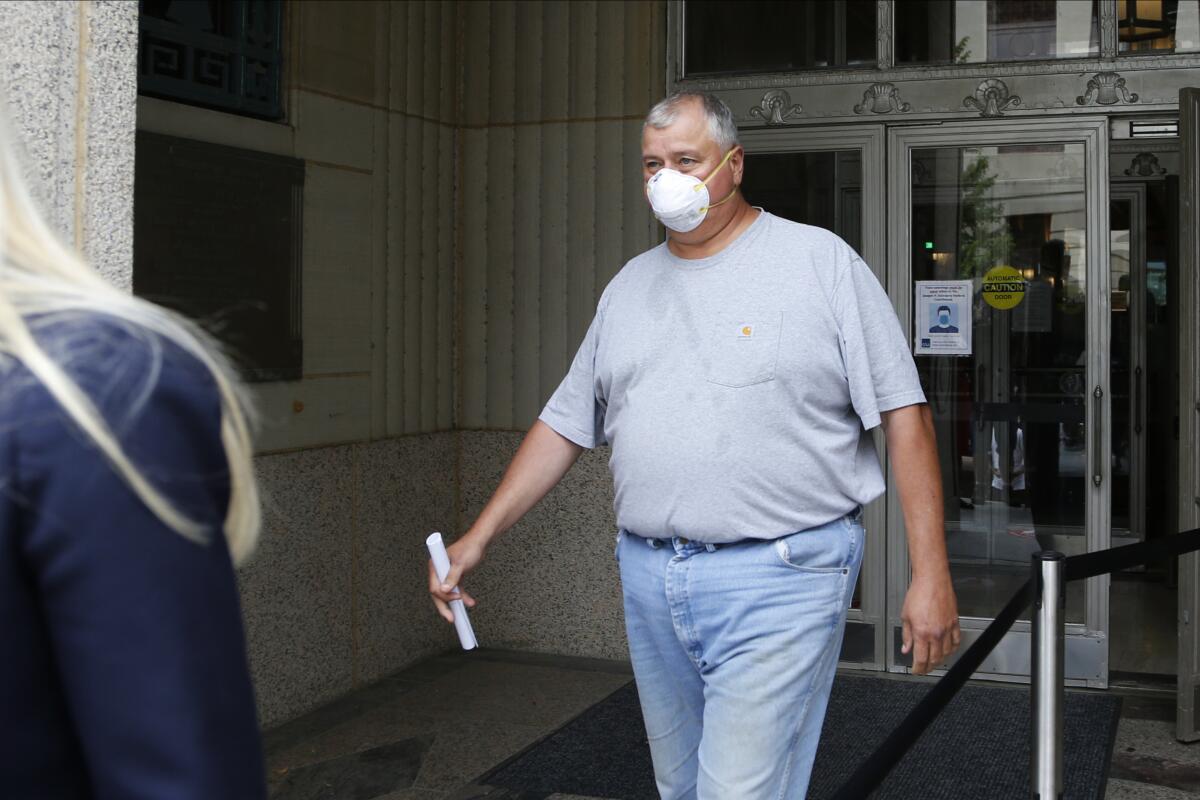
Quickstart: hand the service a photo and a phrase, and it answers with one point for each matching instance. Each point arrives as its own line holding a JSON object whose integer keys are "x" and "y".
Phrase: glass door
{"x": 1143, "y": 232}
{"x": 999, "y": 266}
{"x": 1129, "y": 310}
{"x": 833, "y": 178}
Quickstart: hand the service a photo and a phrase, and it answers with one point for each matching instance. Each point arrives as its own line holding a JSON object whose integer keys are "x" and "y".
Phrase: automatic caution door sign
{"x": 1003, "y": 287}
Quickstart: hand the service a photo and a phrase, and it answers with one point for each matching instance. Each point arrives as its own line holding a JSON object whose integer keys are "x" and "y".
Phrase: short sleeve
{"x": 575, "y": 410}
{"x": 879, "y": 366}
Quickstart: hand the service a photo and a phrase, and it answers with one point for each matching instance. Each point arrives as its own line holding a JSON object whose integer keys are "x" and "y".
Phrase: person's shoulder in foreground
{"x": 126, "y": 673}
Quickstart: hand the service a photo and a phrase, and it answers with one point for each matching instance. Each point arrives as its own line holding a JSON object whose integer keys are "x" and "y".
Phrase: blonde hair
{"x": 42, "y": 277}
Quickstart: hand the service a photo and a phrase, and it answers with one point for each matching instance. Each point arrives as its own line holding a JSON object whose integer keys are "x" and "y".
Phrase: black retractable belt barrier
{"x": 1089, "y": 565}
{"x": 872, "y": 771}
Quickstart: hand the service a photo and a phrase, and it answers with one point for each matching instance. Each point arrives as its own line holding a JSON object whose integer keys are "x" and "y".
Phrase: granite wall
{"x": 335, "y": 596}
{"x": 69, "y": 83}
{"x": 549, "y": 585}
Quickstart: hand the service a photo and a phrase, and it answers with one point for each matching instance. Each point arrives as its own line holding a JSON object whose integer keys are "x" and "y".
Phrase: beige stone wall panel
{"x": 339, "y": 53}
{"x": 552, "y": 207}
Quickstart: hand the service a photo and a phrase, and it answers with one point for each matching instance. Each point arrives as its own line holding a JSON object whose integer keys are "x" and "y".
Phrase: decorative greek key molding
{"x": 1106, "y": 89}
{"x": 776, "y": 108}
{"x": 882, "y": 98}
{"x": 992, "y": 98}
{"x": 1145, "y": 165}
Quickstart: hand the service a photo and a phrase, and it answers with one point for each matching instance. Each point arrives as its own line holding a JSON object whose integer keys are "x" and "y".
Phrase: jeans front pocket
{"x": 742, "y": 348}
{"x": 828, "y": 549}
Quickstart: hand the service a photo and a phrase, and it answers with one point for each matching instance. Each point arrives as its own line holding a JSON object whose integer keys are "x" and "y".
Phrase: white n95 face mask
{"x": 681, "y": 202}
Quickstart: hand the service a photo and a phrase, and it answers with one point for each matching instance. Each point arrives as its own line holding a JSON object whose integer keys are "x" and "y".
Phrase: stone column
{"x": 68, "y": 80}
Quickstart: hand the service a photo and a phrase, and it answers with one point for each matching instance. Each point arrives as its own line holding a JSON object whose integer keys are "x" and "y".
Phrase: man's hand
{"x": 465, "y": 554}
{"x": 930, "y": 622}
{"x": 930, "y": 614}
{"x": 541, "y": 461}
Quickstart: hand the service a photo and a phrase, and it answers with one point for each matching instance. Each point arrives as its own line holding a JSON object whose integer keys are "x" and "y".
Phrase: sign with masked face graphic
{"x": 943, "y": 318}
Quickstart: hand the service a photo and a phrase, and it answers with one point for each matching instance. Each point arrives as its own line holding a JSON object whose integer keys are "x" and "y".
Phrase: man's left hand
{"x": 930, "y": 622}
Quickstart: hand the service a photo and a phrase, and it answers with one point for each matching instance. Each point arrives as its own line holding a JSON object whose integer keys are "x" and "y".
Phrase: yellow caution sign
{"x": 1003, "y": 287}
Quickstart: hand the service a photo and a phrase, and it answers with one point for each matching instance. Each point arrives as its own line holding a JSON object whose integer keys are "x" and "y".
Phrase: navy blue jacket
{"x": 123, "y": 668}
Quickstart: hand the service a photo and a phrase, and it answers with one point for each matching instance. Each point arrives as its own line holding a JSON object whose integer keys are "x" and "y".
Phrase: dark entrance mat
{"x": 977, "y": 748}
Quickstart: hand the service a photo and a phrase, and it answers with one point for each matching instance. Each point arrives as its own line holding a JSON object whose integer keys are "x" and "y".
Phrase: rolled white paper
{"x": 441, "y": 565}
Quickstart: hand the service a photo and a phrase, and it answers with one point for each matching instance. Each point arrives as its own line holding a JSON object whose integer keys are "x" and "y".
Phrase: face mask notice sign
{"x": 942, "y": 318}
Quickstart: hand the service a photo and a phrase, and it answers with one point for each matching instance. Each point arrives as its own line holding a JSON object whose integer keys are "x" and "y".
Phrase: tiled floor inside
{"x": 426, "y": 732}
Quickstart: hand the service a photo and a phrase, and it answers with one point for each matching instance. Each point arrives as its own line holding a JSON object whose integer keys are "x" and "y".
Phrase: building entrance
{"x": 1003, "y": 226}
{"x": 1015, "y": 405}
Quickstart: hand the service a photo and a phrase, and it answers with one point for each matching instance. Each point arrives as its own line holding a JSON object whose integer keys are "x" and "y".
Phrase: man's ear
{"x": 737, "y": 164}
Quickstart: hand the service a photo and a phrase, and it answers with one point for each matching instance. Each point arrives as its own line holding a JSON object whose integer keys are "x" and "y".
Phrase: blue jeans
{"x": 734, "y": 650}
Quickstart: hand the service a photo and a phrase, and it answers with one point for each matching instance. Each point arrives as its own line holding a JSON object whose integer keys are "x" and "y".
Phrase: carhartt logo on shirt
{"x": 745, "y": 332}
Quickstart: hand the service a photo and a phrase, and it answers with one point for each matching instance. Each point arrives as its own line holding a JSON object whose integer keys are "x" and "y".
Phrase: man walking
{"x": 736, "y": 370}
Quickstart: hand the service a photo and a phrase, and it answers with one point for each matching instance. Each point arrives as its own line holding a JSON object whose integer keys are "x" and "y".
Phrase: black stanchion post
{"x": 1046, "y": 767}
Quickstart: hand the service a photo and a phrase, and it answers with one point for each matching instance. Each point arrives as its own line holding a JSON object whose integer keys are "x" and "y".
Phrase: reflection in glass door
{"x": 1127, "y": 224}
{"x": 1143, "y": 244}
{"x": 1013, "y": 213}
{"x": 816, "y": 188}
{"x": 1010, "y": 418}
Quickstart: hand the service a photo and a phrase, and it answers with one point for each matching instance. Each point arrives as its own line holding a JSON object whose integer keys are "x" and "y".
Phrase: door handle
{"x": 1097, "y": 438}
{"x": 1137, "y": 401}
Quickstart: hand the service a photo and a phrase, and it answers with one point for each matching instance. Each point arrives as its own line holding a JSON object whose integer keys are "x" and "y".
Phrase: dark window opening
{"x": 217, "y": 236}
{"x": 756, "y": 36}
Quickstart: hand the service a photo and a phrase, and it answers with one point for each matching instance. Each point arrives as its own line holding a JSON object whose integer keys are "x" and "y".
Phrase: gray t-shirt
{"x": 736, "y": 390}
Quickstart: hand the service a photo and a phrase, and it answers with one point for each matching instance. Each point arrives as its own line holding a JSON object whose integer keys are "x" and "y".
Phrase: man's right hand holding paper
{"x": 464, "y": 555}
{"x": 543, "y": 459}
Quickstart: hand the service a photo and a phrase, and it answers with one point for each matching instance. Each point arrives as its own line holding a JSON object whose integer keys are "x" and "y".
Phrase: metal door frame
{"x": 1133, "y": 191}
{"x": 1087, "y": 644}
{"x": 1187, "y": 726}
{"x": 869, "y": 140}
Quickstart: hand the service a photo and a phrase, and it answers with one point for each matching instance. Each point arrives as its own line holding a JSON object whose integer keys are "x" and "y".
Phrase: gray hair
{"x": 721, "y": 126}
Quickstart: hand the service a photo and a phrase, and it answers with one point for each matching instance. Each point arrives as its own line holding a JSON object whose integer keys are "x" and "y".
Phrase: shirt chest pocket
{"x": 742, "y": 348}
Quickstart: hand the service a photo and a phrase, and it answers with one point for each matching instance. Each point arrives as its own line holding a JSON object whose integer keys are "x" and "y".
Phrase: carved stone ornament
{"x": 992, "y": 98}
{"x": 1145, "y": 165}
{"x": 884, "y": 49}
{"x": 1106, "y": 89}
{"x": 882, "y": 98}
{"x": 1108, "y": 30}
{"x": 776, "y": 107}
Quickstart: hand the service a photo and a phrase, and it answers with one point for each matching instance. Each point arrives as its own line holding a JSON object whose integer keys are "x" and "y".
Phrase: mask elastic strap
{"x": 724, "y": 161}
{"x": 704, "y": 182}
{"x": 728, "y": 197}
